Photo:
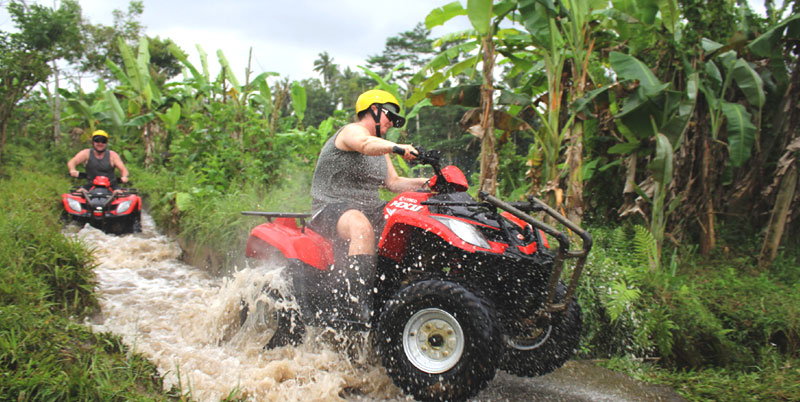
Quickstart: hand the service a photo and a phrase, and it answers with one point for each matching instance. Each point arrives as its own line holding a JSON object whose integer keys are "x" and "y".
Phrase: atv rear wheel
{"x": 545, "y": 349}
{"x": 438, "y": 341}
{"x": 285, "y": 322}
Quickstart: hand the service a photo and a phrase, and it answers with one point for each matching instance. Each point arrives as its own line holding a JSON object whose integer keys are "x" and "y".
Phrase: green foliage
{"x": 406, "y": 53}
{"x": 44, "y": 35}
{"x": 692, "y": 317}
{"x": 101, "y": 43}
{"x": 645, "y": 248}
{"x": 622, "y": 316}
{"x": 775, "y": 380}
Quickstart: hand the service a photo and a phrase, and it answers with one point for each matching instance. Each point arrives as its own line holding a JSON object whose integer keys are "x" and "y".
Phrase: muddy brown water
{"x": 187, "y": 323}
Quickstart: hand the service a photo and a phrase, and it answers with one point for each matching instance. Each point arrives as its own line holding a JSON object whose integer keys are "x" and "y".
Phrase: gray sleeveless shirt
{"x": 99, "y": 167}
{"x": 347, "y": 177}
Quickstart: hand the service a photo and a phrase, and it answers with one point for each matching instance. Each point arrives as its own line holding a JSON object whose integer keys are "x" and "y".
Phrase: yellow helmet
{"x": 100, "y": 133}
{"x": 386, "y": 101}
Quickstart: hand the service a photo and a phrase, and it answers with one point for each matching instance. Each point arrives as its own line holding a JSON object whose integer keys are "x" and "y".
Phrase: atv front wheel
{"x": 438, "y": 341}
{"x": 136, "y": 225}
{"x": 541, "y": 350}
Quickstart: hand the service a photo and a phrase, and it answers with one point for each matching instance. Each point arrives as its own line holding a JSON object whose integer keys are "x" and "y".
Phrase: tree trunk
{"x": 148, "y": 138}
{"x": 778, "y": 218}
{"x": 706, "y": 213}
{"x": 489, "y": 161}
{"x": 3, "y": 127}
{"x": 56, "y": 108}
{"x": 575, "y": 163}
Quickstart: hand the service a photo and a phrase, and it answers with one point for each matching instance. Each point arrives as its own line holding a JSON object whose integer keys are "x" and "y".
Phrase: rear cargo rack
{"x": 272, "y": 215}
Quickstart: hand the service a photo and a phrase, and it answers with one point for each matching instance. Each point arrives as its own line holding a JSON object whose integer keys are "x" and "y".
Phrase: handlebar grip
{"x": 396, "y": 149}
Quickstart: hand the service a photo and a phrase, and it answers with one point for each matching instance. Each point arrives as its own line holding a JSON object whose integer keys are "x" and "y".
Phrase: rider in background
{"x": 353, "y": 164}
{"x": 98, "y": 161}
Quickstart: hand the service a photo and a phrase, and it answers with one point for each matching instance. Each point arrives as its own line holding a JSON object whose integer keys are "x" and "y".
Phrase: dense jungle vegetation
{"x": 669, "y": 128}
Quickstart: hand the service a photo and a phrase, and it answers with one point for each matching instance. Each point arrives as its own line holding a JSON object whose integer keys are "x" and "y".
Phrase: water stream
{"x": 188, "y": 323}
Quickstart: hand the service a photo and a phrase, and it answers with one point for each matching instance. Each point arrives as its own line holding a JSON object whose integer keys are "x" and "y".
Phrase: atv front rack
{"x": 76, "y": 191}
{"x": 533, "y": 205}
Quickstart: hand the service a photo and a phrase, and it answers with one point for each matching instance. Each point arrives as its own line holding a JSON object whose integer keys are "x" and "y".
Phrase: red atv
{"x": 465, "y": 286}
{"x": 100, "y": 207}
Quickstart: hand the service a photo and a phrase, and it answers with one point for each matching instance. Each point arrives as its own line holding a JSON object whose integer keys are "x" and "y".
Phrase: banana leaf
{"x": 741, "y": 132}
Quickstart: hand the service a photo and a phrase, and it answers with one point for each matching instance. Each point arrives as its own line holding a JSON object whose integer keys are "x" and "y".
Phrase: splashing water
{"x": 188, "y": 324}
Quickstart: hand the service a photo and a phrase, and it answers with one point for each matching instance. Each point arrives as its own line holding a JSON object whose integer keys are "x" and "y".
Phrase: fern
{"x": 661, "y": 327}
{"x": 620, "y": 298}
{"x": 619, "y": 241}
{"x": 646, "y": 248}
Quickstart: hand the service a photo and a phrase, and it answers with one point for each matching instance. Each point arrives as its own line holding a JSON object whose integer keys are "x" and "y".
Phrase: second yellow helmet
{"x": 100, "y": 133}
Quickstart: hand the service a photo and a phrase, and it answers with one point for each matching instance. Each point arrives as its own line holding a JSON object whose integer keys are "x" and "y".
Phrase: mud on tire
{"x": 438, "y": 341}
{"x": 552, "y": 347}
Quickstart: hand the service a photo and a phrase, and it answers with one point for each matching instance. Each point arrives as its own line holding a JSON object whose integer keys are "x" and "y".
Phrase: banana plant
{"x": 298, "y": 94}
{"x": 652, "y": 113}
{"x": 721, "y": 72}
{"x": 553, "y": 33}
{"x": 142, "y": 95}
{"x": 198, "y": 91}
{"x": 485, "y": 17}
{"x": 563, "y": 32}
{"x": 95, "y": 110}
{"x": 661, "y": 168}
{"x": 771, "y": 45}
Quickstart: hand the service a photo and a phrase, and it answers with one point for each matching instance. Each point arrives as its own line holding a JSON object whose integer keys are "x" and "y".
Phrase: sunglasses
{"x": 392, "y": 113}
{"x": 101, "y": 140}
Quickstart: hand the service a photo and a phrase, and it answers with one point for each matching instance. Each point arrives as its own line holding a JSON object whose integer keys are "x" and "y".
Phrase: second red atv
{"x": 101, "y": 208}
{"x": 465, "y": 286}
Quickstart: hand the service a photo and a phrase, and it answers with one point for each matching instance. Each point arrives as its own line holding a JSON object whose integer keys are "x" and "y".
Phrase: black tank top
{"x": 99, "y": 167}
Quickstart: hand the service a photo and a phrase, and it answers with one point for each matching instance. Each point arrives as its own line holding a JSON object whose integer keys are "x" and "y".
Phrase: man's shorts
{"x": 324, "y": 222}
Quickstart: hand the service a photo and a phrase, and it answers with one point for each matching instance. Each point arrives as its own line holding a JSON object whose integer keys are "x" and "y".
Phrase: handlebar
{"x": 431, "y": 157}
{"x": 115, "y": 182}
{"x": 81, "y": 175}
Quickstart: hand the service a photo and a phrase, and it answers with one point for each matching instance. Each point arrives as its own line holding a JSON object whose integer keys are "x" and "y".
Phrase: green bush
{"x": 719, "y": 313}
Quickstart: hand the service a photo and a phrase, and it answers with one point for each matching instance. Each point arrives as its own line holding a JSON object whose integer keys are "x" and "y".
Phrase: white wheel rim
{"x": 523, "y": 343}
{"x": 433, "y": 340}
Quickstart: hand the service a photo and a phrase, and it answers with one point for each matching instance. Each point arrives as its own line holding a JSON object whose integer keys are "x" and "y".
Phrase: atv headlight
{"x": 74, "y": 205}
{"x": 123, "y": 207}
{"x": 464, "y": 231}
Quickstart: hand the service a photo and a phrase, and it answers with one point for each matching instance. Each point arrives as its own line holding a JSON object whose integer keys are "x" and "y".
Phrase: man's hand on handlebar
{"x": 407, "y": 151}
{"x": 74, "y": 173}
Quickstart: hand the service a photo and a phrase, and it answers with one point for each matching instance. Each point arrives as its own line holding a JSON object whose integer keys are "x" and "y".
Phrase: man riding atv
{"x": 352, "y": 166}
{"x": 98, "y": 161}
{"x": 465, "y": 286}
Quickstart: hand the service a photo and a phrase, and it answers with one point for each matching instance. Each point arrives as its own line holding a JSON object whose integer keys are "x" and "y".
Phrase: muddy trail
{"x": 189, "y": 324}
